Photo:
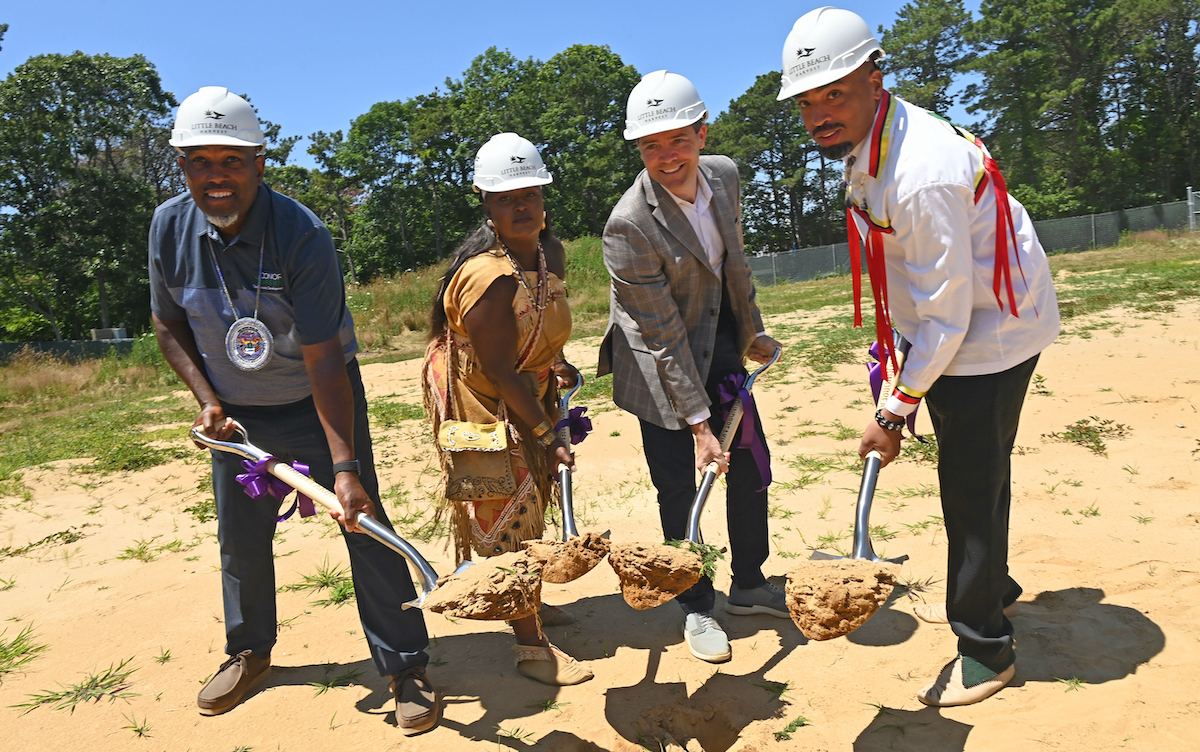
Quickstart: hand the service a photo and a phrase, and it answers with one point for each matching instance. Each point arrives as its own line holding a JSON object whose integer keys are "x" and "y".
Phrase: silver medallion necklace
{"x": 248, "y": 343}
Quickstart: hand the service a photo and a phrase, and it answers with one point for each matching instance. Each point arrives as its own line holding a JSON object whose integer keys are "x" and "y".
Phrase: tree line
{"x": 1088, "y": 105}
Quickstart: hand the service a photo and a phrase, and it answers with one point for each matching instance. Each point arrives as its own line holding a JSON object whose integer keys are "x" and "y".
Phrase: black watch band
{"x": 346, "y": 467}
{"x": 886, "y": 424}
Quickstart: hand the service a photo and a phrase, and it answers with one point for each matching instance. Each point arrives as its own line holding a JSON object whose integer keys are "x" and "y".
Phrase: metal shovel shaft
{"x": 726, "y": 439}
{"x": 329, "y": 501}
{"x": 569, "y": 530}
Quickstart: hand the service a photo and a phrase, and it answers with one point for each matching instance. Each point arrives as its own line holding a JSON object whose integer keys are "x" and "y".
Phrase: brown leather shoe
{"x": 233, "y": 680}
{"x": 417, "y": 706}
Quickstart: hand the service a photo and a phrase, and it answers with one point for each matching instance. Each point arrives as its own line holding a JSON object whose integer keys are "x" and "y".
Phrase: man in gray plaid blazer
{"x": 683, "y": 317}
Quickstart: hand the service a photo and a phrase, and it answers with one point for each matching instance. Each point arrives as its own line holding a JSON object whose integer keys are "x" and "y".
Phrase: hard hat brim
{"x": 516, "y": 184}
{"x": 213, "y": 140}
{"x": 817, "y": 80}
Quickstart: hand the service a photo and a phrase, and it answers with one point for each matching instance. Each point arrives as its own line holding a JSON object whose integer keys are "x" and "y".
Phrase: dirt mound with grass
{"x": 508, "y": 586}
{"x": 653, "y": 573}
{"x": 567, "y": 561}
{"x": 829, "y": 599}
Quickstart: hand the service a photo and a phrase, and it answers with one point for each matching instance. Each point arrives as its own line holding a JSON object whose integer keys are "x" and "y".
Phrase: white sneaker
{"x": 705, "y": 638}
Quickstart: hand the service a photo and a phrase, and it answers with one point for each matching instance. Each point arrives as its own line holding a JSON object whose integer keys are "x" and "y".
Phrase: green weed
{"x": 786, "y": 734}
{"x": 18, "y": 651}
{"x": 1090, "y": 434}
{"x": 113, "y": 683}
{"x": 203, "y": 511}
{"x": 344, "y": 679}
{"x": 61, "y": 538}
{"x": 388, "y": 414}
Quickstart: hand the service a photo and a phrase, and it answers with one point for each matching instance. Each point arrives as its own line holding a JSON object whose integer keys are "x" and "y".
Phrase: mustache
{"x": 826, "y": 128}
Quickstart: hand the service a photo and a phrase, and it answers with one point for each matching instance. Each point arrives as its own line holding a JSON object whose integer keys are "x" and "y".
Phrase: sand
{"x": 653, "y": 573}
{"x": 1106, "y": 547}
{"x": 829, "y": 599}
{"x": 503, "y": 587}
{"x": 567, "y": 561}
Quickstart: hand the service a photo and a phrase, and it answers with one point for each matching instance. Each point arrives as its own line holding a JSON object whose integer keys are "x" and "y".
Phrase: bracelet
{"x": 544, "y": 433}
{"x": 886, "y": 424}
{"x": 350, "y": 466}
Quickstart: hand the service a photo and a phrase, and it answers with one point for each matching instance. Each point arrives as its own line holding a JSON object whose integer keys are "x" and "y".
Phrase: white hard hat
{"x": 662, "y": 101}
{"x": 508, "y": 162}
{"x": 825, "y": 44}
{"x": 214, "y": 117}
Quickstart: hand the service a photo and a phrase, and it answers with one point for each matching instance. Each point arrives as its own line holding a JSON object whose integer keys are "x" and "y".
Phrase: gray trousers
{"x": 975, "y": 419}
{"x": 246, "y": 527}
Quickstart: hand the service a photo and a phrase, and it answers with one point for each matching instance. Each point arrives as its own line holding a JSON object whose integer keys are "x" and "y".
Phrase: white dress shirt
{"x": 918, "y": 176}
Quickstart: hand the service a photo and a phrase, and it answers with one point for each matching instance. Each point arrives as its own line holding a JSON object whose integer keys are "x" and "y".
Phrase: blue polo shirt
{"x": 303, "y": 298}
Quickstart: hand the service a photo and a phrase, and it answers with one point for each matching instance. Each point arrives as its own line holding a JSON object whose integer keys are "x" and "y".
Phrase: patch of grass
{"x": 113, "y": 683}
{"x": 1072, "y": 684}
{"x": 1143, "y": 520}
{"x": 788, "y": 730}
{"x": 18, "y": 651}
{"x": 388, "y": 414}
{"x": 708, "y": 553}
{"x": 163, "y": 656}
{"x": 912, "y": 587}
{"x": 142, "y": 550}
{"x": 140, "y": 728}
{"x": 326, "y": 577}
{"x": 1090, "y": 434}
{"x": 841, "y": 432}
{"x": 777, "y": 690}
{"x": 344, "y": 679}
{"x": 923, "y": 453}
{"x": 203, "y": 511}
{"x": 548, "y": 705}
{"x": 8, "y": 584}
{"x": 339, "y": 595}
{"x": 61, "y": 538}
{"x": 595, "y": 389}
{"x": 13, "y": 487}
{"x": 133, "y": 455}
{"x": 516, "y": 733}
{"x": 1039, "y": 386}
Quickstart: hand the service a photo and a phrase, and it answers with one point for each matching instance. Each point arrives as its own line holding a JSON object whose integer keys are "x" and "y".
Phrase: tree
{"x": 581, "y": 117}
{"x": 72, "y": 243}
{"x": 925, "y": 51}
{"x": 782, "y": 191}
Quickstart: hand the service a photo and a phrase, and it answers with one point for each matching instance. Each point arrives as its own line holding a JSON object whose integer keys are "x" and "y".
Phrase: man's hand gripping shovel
{"x": 653, "y": 573}
{"x": 430, "y": 583}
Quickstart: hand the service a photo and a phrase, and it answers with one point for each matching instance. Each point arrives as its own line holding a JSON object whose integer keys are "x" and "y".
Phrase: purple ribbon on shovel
{"x": 747, "y": 435}
{"x": 579, "y": 425}
{"x": 259, "y": 483}
{"x": 877, "y": 384}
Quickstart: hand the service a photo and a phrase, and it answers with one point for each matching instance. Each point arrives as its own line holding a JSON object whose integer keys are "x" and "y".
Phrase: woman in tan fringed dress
{"x": 499, "y": 323}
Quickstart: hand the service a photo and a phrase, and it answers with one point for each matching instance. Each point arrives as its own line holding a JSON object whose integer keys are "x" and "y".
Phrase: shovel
{"x": 652, "y": 574}
{"x": 328, "y": 500}
{"x": 575, "y": 555}
{"x": 727, "y": 432}
{"x": 866, "y": 490}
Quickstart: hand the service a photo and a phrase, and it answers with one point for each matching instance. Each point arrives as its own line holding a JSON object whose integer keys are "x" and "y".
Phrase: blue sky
{"x": 316, "y": 66}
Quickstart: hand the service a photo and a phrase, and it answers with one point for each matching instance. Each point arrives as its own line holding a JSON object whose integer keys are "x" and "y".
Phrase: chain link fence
{"x": 1066, "y": 235}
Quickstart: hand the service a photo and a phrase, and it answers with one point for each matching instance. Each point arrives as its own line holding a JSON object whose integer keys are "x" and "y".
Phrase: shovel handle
{"x": 569, "y": 530}
{"x": 329, "y": 501}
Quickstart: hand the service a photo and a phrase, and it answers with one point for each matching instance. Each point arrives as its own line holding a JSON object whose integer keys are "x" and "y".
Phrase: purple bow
{"x": 747, "y": 435}
{"x": 259, "y": 483}
{"x": 877, "y": 384}
{"x": 579, "y": 425}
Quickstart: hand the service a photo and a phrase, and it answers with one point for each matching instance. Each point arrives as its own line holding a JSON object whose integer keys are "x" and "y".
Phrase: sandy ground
{"x": 1105, "y": 546}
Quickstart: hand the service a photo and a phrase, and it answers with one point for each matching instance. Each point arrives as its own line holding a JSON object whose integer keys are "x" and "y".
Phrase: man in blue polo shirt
{"x": 250, "y": 310}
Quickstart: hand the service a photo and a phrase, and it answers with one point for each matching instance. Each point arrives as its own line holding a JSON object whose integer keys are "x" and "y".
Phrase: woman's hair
{"x": 479, "y": 241}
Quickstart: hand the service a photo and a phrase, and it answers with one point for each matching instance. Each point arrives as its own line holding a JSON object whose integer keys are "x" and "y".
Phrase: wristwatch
{"x": 886, "y": 424}
{"x": 346, "y": 467}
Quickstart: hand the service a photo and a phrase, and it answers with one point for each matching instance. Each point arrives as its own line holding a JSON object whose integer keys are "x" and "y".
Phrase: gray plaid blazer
{"x": 665, "y": 297}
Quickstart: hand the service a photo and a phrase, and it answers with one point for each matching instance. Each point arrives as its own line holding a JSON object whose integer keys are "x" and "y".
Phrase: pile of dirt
{"x": 508, "y": 586}
{"x": 653, "y": 573}
{"x": 829, "y": 599}
{"x": 567, "y": 561}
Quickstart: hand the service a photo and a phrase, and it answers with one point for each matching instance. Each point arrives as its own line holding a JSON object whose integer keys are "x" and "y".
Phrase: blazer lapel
{"x": 668, "y": 214}
{"x": 723, "y": 212}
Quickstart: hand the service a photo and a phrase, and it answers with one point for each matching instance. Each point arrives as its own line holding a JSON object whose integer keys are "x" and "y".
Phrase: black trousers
{"x": 671, "y": 457}
{"x": 975, "y": 419}
{"x": 246, "y": 526}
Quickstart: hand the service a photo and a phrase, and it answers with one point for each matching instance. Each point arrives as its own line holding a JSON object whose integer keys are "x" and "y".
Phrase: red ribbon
{"x": 877, "y": 270}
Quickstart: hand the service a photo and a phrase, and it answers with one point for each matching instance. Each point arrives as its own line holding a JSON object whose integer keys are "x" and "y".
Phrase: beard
{"x": 221, "y": 222}
{"x": 837, "y": 151}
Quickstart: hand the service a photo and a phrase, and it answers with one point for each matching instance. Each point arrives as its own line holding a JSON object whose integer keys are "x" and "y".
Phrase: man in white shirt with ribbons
{"x": 956, "y": 267}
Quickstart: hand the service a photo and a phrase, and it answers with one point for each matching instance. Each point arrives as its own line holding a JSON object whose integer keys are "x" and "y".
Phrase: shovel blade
{"x": 822, "y": 556}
